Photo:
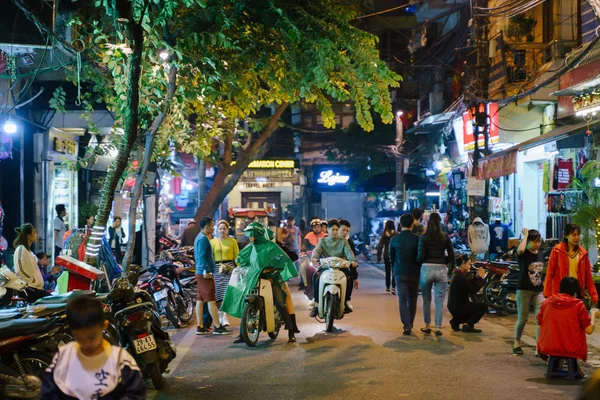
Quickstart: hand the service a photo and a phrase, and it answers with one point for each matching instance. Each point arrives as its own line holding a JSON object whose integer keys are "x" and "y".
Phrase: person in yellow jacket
{"x": 225, "y": 250}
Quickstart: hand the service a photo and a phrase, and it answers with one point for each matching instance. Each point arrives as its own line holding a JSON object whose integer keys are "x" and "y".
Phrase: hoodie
{"x": 563, "y": 320}
{"x": 479, "y": 236}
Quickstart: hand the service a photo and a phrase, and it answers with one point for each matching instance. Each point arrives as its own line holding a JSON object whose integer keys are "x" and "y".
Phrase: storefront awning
{"x": 504, "y": 162}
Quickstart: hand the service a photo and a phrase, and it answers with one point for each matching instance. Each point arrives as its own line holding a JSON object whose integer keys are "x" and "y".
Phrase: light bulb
{"x": 164, "y": 55}
{"x": 10, "y": 126}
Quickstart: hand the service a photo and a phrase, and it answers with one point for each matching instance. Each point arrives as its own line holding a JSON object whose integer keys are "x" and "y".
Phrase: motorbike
{"x": 508, "y": 290}
{"x": 260, "y": 313}
{"x": 9, "y": 284}
{"x": 25, "y": 345}
{"x": 332, "y": 290}
{"x": 490, "y": 292}
{"x": 139, "y": 327}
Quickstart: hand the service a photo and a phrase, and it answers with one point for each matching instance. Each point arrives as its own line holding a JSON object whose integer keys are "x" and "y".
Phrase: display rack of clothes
{"x": 564, "y": 201}
{"x": 555, "y": 225}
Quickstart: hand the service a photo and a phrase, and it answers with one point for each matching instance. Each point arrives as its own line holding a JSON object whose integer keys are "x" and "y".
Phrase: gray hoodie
{"x": 479, "y": 236}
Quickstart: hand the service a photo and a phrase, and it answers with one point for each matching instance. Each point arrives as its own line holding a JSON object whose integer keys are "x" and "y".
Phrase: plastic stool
{"x": 554, "y": 362}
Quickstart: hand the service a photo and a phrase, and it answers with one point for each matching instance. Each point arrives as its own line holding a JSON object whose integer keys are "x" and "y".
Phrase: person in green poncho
{"x": 261, "y": 253}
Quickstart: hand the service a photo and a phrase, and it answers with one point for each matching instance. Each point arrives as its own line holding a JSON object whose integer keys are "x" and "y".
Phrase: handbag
{"x": 225, "y": 268}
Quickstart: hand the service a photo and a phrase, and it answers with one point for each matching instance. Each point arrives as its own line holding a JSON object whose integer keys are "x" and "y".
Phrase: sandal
{"x": 517, "y": 351}
{"x": 426, "y": 331}
{"x": 438, "y": 332}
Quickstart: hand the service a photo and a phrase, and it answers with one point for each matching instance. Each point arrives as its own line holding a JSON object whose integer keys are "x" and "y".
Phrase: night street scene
{"x": 299, "y": 199}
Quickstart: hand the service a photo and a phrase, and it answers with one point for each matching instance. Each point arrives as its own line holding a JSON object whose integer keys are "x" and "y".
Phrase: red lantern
{"x": 176, "y": 185}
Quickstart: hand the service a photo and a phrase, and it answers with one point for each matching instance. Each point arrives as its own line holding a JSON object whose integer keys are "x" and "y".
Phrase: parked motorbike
{"x": 490, "y": 293}
{"x": 260, "y": 313}
{"x": 508, "y": 292}
{"x": 332, "y": 290}
{"x": 9, "y": 284}
{"x": 140, "y": 328}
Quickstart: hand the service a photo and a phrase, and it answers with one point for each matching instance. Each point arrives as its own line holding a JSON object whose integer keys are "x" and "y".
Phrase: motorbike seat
{"x": 50, "y": 309}
{"x": 19, "y": 327}
{"x": 64, "y": 298}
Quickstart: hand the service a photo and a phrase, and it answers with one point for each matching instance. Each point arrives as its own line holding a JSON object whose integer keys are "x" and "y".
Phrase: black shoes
{"x": 470, "y": 329}
{"x": 426, "y": 331}
{"x": 295, "y": 326}
{"x": 517, "y": 351}
{"x": 455, "y": 325}
{"x": 406, "y": 332}
{"x": 202, "y": 331}
{"x": 221, "y": 330}
{"x": 314, "y": 312}
{"x": 238, "y": 339}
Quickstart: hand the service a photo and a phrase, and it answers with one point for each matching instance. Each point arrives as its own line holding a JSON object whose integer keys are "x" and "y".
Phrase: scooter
{"x": 508, "y": 291}
{"x": 332, "y": 290}
{"x": 9, "y": 284}
{"x": 260, "y": 313}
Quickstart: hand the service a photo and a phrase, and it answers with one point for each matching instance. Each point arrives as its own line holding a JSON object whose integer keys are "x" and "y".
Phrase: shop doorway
{"x": 533, "y": 198}
{"x": 263, "y": 200}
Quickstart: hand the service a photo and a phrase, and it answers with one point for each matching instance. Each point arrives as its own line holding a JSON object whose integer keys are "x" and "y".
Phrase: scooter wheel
{"x": 331, "y": 312}
{"x": 250, "y": 324}
{"x": 157, "y": 379}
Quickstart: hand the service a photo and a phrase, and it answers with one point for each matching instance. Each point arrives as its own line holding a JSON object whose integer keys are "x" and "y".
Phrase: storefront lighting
{"x": 438, "y": 165}
{"x": 10, "y": 126}
{"x": 170, "y": 196}
{"x": 166, "y": 187}
{"x": 592, "y": 110}
{"x": 432, "y": 194}
{"x": 188, "y": 187}
{"x": 399, "y": 113}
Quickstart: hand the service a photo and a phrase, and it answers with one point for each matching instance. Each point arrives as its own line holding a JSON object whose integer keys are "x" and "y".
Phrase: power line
{"x": 382, "y": 12}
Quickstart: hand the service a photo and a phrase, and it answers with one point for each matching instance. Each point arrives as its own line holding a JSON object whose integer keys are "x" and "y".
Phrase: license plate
{"x": 144, "y": 344}
{"x": 160, "y": 295}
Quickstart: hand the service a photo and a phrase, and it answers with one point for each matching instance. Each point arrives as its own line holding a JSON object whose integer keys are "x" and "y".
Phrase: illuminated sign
{"x": 65, "y": 146}
{"x": 330, "y": 178}
{"x": 272, "y": 164}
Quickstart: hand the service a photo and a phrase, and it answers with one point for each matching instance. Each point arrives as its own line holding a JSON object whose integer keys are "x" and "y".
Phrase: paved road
{"x": 368, "y": 359}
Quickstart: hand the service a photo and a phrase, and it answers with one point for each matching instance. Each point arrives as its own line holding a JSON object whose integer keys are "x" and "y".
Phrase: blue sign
{"x": 331, "y": 178}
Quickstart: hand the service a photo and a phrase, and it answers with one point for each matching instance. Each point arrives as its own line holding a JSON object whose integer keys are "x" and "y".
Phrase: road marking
{"x": 183, "y": 347}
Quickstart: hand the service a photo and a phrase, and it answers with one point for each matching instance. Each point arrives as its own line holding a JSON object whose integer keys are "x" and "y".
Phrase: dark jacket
{"x": 112, "y": 234}
{"x": 403, "y": 254}
{"x": 189, "y": 235}
{"x": 461, "y": 289}
{"x": 432, "y": 251}
{"x": 384, "y": 245}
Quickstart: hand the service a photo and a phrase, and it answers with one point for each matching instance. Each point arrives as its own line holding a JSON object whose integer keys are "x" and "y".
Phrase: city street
{"x": 369, "y": 358}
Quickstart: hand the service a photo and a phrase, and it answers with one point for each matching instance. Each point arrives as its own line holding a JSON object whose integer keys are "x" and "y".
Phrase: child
{"x": 49, "y": 277}
{"x": 90, "y": 367}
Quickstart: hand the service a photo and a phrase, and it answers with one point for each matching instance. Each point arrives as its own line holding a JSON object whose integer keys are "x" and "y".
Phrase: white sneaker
{"x": 221, "y": 315}
{"x": 225, "y": 321}
{"x": 349, "y": 305}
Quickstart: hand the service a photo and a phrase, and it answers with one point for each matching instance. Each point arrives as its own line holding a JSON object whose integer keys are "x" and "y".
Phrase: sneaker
{"x": 238, "y": 339}
{"x": 349, "y": 305}
{"x": 455, "y": 325}
{"x": 225, "y": 321}
{"x": 387, "y": 290}
{"x": 438, "y": 332}
{"x": 517, "y": 351}
{"x": 406, "y": 332}
{"x": 347, "y": 310}
{"x": 470, "y": 329}
{"x": 221, "y": 330}
{"x": 314, "y": 312}
{"x": 394, "y": 291}
{"x": 202, "y": 331}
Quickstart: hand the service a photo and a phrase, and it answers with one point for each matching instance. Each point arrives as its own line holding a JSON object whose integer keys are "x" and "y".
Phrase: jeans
{"x": 525, "y": 300}
{"x": 436, "y": 276}
{"x": 388, "y": 273}
{"x": 408, "y": 292}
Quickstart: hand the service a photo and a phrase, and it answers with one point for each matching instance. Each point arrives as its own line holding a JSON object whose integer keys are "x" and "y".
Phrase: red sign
{"x": 495, "y": 167}
{"x": 572, "y": 78}
{"x": 469, "y": 137}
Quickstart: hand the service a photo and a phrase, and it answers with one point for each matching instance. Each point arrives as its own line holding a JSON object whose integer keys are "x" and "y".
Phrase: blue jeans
{"x": 436, "y": 276}
{"x": 408, "y": 293}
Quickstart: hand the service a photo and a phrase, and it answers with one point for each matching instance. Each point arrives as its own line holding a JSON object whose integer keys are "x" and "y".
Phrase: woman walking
{"x": 435, "y": 251}
{"x": 389, "y": 232}
{"x": 568, "y": 258}
{"x": 530, "y": 286}
{"x": 225, "y": 251}
{"x": 26, "y": 262}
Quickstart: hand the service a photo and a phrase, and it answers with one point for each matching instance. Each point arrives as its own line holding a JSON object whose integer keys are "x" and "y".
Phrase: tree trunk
{"x": 130, "y": 127}
{"x": 227, "y": 176}
{"x": 143, "y": 170}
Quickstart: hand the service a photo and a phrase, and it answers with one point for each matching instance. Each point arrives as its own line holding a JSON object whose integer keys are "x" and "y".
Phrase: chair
{"x": 554, "y": 368}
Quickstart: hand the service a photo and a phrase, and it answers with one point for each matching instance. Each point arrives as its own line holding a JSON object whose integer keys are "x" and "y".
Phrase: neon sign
{"x": 329, "y": 178}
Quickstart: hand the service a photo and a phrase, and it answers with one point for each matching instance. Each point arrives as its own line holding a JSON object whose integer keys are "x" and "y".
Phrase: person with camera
{"x": 464, "y": 311}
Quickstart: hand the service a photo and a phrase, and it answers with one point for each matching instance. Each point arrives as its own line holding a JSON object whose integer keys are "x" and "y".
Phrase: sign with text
{"x": 273, "y": 164}
{"x": 468, "y": 126}
{"x": 270, "y": 175}
{"x": 330, "y": 177}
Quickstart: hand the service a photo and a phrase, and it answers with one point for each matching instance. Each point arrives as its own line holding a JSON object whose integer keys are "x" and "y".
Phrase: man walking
{"x": 205, "y": 268}
{"x": 403, "y": 254}
{"x": 59, "y": 229}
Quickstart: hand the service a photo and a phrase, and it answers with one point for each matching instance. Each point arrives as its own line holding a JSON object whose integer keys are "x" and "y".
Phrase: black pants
{"x": 33, "y": 294}
{"x": 389, "y": 276}
{"x": 57, "y": 251}
{"x": 408, "y": 293}
{"x": 470, "y": 314}
{"x": 349, "y": 283}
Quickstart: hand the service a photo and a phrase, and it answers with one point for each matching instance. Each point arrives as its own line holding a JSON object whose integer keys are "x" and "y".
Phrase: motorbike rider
{"x": 332, "y": 246}
{"x": 262, "y": 253}
{"x": 312, "y": 238}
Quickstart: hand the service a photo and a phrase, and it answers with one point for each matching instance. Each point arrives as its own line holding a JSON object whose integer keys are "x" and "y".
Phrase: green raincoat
{"x": 252, "y": 260}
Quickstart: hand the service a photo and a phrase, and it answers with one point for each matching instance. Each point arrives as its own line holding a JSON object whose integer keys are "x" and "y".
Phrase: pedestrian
{"x": 89, "y": 221}
{"x": 568, "y": 258}
{"x": 205, "y": 270}
{"x": 530, "y": 286}
{"x": 418, "y": 228}
{"x": 464, "y": 311}
{"x": 404, "y": 249}
{"x": 59, "y": 229}
{"x": 433, "y": 247}
{"x": 383, "y": 247}
{"x": 225, "y": 251}
{"x": 324, "y": 228}
{"x": 90, "y": 367}
{"x": 564, "y": 321}
{"x": 116, "y": 236}
{"x": 189, "y": 233}
{"x": 26, "y": 263}
{"x": 290, "y": 237}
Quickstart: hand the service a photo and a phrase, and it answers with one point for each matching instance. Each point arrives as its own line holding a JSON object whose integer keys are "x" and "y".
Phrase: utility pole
{"x": 399, "y": 162}
{"x": 482, "y": 74}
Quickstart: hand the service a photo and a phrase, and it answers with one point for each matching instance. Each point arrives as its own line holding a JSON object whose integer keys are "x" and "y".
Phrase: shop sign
{"x": 475, "y": 187}
{"x": 573, "y": 78}
{"x": 495, "y": 167}
{"x": 331, "y": 178}
{"x": 273, "y": 164}
{"x": 275, "y": 175}
{"x": 65, "y": 146}
{"x": 259, "y": 185}
{"x": 468, "y": 135}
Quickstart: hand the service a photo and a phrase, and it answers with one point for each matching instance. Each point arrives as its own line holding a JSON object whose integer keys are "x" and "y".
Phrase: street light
{"x": 164, "y": 55}
{"x": 10, "y": 126}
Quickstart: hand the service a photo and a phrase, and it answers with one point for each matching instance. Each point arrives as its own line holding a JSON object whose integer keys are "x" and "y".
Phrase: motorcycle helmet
{"x": 315, "y": 222}
{"x": 254, "y": 229}
{"x": 122, "y": 291}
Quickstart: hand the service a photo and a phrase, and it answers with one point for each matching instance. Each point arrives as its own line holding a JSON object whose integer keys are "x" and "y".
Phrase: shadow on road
{"x": 407, "y": 344}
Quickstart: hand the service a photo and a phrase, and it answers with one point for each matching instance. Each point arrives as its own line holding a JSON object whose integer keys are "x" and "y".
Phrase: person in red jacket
{"x": 564, "y": 321}
{"x": 568, "y": 258}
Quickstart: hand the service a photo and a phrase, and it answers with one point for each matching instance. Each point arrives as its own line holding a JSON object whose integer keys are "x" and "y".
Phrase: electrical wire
{"x": 382, "y": 12}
